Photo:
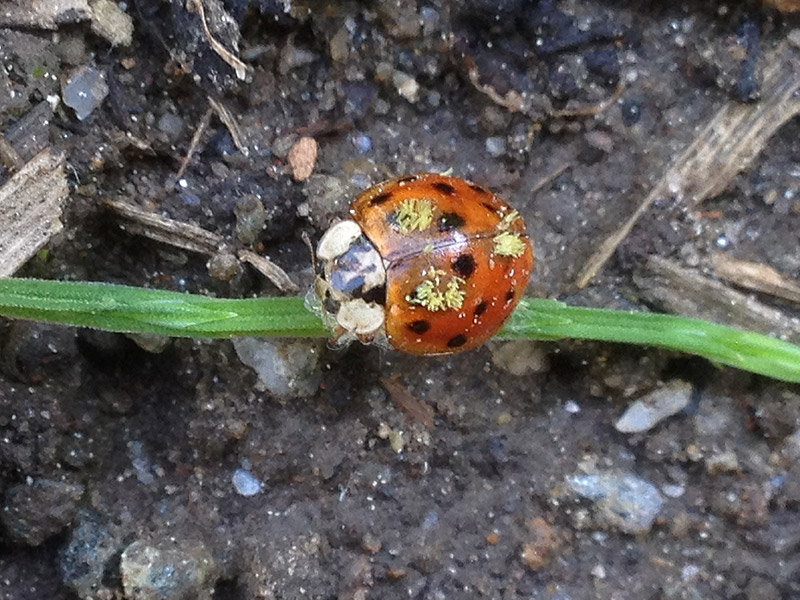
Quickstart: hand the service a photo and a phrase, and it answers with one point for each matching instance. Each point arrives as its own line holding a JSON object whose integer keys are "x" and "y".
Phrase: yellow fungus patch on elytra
{"x": 439, "y": 291}
{"x": 509, "y": 244}
{"x": 414, "y": 214}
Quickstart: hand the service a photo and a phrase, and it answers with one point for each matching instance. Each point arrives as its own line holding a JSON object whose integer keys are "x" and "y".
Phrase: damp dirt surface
{"x": 168, "y": 469}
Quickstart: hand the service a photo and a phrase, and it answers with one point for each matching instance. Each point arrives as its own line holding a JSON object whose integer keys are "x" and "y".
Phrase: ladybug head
{"x": 351, "y": 283}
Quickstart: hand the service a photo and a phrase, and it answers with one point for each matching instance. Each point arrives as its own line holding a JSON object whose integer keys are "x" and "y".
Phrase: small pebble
{"x": 35, "y": 511}
{"x": 83, "y": 561}
{"x": 110, "y": 21}
{"x": 631, "y": 112}
{"x": 622, "y": 500}
{"x": 286, "y": 368}
{"x": 282, "y": 144}
{"x": 223, "y": 266}
{"x": 406, "y": 86}
{"x": 722, "y": 462}
{"x": 302, "y": 157}
{"x": 250, "y": 218}
{"x": 170, "y": 125}
{"x": 760, "y": 588}
{"x": 648, "y": 411}
{"x": 84, "y": 91}
{"x": 599, "y": 572}
{"x": 673, "y": 491}
{"x": 542, "y": 540}
{"x": 363, "y": 143}
{"x": 245, "y": 483}
{"x": 519, "y": 357}
{"x": 164, "y": 569}
{"x": 496, "y": 146}
{"x": 572, "y": 407}
{"x": 150, "y": 342}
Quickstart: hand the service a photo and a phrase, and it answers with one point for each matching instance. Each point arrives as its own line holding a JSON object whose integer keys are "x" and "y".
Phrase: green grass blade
{"x": 747, "y": 350}
{"x": 141, "y": 310}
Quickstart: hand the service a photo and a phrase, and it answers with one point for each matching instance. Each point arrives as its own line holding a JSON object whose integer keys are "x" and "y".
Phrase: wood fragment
{"x": 270, "y": 270}
{"x": 410, "y": 404}
{"x": 165, "y": 230}
{"x": 230, "y": 123}
{"x": 755, "y": 276}
{"x": 676, "y": 289}
{"x": 728, "y": 143}
{"x": 30, "y": 209}
{"x": 201, "y": 128}
{"x": 236, "y": 64}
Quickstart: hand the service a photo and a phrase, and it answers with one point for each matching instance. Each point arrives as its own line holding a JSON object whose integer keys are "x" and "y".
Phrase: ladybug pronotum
{"x": 430, "y": 263}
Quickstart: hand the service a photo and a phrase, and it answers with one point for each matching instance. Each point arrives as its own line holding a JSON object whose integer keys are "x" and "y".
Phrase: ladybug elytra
{"x": 433, "y": 264}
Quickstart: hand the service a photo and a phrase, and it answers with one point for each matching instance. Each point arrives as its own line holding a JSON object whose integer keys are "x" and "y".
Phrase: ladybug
{"x": 429, "y": 263}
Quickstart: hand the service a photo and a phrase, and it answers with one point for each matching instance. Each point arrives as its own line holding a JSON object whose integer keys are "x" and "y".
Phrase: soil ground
{"x": 105, "y": 444}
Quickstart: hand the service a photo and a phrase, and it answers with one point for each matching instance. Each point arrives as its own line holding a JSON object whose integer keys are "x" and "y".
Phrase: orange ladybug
{"x": 430, "y": 263}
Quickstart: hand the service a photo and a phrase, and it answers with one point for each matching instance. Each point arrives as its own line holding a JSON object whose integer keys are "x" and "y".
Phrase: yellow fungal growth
{"x": 509, "y": 244}
{"x": 507, "y": 221}
{"x": 414, "y": 214}
{"x": 439, "y": 291}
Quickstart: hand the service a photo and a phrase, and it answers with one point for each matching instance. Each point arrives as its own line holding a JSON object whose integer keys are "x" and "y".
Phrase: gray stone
{"x": 168, "y": 570}
{"x": 35, "y": 511}
{"x": 83, "y": 561}
{"x": 287, "y": 368}
{"x": 622, "y": 500}
{"x": 646, "y": 412}
{"x": 84, "y": 91}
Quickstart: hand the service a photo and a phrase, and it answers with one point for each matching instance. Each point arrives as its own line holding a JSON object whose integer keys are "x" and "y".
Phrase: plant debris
{"x": 724, "y": 147}
{"x": 31, "y": 202}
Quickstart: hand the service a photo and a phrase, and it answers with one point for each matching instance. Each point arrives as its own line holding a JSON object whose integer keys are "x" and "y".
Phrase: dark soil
{"x": 104, "y": 444}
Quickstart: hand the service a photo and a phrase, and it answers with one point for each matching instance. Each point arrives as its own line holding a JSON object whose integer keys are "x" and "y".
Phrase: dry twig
{"x": 229, "y": 121}
{"x": 169, "y": 231}
{"x": 201, "y": 128}
{"x": 270, "y": 270}
{"x": 238, "y": 66}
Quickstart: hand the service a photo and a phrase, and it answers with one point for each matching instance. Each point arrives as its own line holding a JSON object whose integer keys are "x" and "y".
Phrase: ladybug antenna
{"x": 307, "y": 240}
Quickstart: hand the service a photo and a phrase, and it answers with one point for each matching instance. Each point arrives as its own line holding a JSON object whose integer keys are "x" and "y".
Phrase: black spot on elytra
{"x": 457, "y": 341}
{"x": 419, "y": 327}
{"x": 481, "y": 308}
{"x": 406, "y": 179}
{"x": 380, "y": 198}
{"x": 376, "y": 294}
{"x": 450, "y": 221}
{"x": 480, "y": 189}
{"x": 509, "y": 295}
{"x": 464, "y": 265}
{"x": 444, "y": 188}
